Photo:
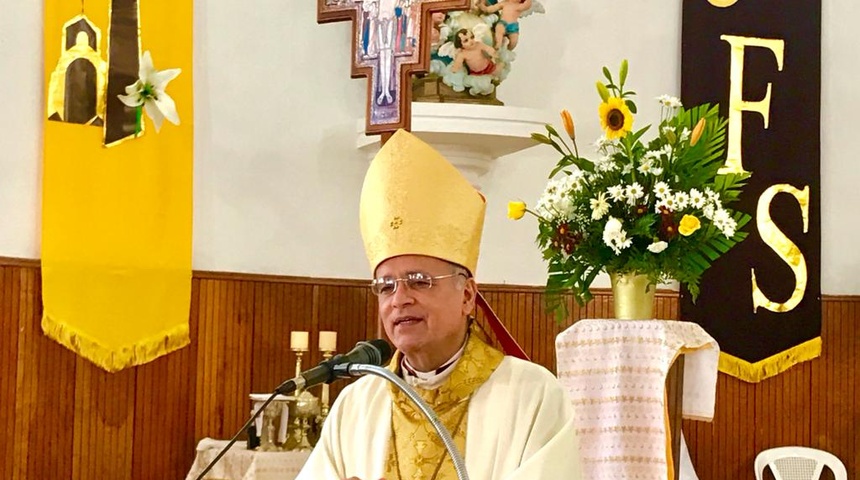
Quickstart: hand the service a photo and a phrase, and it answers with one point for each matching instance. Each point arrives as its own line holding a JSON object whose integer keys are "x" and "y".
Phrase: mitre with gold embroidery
{"x": 414, "y": 202}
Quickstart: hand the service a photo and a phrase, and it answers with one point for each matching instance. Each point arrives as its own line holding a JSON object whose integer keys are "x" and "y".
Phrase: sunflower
{"x": 615, "y": 118}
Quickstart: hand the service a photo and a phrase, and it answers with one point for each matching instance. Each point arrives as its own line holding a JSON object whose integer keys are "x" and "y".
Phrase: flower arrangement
{"x": 658, "y": 208}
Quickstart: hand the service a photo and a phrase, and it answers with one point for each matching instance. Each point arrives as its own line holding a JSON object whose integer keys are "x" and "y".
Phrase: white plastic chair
{"x": 798, "y": 463}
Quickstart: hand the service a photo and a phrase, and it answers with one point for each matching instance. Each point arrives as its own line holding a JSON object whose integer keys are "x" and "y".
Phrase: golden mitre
{"x": 414, "y": 202}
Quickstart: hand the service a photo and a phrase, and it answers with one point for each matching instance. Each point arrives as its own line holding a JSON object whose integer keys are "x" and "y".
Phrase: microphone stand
{"x": 287, "y": 387}
{"x": 359, "y": 369}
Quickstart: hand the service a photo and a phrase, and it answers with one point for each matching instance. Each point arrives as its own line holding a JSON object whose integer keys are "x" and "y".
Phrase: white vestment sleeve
{"x": 521, "y": 427}
{"x": 354, "y": 438}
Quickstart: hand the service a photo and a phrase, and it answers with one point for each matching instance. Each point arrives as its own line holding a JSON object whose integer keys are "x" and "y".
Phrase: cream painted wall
{"x": 277, "y": 175}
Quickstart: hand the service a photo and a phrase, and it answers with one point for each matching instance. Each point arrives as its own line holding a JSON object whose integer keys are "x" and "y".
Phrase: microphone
{"x": 374, "y": 352}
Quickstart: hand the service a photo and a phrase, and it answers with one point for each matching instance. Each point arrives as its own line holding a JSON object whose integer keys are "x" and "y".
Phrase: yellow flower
{"x": 697, "y": 132}
{"x": 516, "y": 210}
{"x": 568, "y": 124}
{"x": 688, "y": 225}
{"x": 615, "y": 118}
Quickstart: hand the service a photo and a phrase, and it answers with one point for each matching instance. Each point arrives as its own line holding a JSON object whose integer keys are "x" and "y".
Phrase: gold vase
{"x": 633, "y": 296}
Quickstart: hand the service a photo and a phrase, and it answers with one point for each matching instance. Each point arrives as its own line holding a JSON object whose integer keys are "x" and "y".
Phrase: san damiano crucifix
{"x": 390, "y": 42}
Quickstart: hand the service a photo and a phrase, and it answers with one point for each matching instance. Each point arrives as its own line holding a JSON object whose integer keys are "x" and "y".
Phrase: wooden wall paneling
{"x": 9, "y": 301}
{"x": 547, "y": 328}
{"x": 269, "y": 368}
{"x": 295, "y": 310}
{"x": 164, "y": 440}
{"x": 299, "y": 307}
{"x": 239, "y": 334}
{"x": 835, "y": 406}
{"x": 493, "y": 301}
{"x": 45, "y": 390}
{"x": 515, "y": 309}
{"x": 537, "y": 330}
{"x": 189, "y": 400}
{"x": 666, "y": 306}
{"x": 104, "y": 422}
{"x": 342, "y": 309}
{"x": 262, "y": 376}
{"x": 505, "y": 313}
{"x": 212, "y": 330}
{"x": 509, "y": 316}
{"x": 850, "y": 316}
{"x": 782, "y": 406}
{"x": 372, "y": 326}
{"x": 26, "y": 376}
{"x": 743, "y": 431}
{"x": 228, "y": 374}
{"x": 271, "y": 342}
{"x": 737, "y": 432}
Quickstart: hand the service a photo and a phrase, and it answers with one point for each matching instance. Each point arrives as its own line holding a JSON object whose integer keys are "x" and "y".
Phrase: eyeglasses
{"x": 385, "y": 286}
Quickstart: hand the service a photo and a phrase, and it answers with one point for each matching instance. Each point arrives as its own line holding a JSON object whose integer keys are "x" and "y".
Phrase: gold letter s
{"x": 785, "y": 248}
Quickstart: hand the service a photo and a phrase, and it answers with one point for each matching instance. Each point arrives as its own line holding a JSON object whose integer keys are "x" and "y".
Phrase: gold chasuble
{"x": 117, "y": 220}
{"x": 416, "y": 451}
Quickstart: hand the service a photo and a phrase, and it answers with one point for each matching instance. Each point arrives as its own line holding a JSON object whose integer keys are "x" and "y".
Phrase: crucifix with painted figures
{"x": 390, "y": 42}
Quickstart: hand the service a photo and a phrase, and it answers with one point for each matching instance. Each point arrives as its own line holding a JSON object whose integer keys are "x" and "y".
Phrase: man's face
{"x": 425, "y": 320}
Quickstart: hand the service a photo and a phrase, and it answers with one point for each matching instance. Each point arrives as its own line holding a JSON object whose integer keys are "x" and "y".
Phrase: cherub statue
{"x": 436, "y": 20}
{"x": 509, "y": 15}
{"x": 477, "y": 55}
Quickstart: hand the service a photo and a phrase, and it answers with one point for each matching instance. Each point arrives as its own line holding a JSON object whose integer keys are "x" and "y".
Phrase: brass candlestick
{"x": 324, "y": 406}
{"x": 267, "y": 440}
{"x": 307, "y": 408}
{"x": 299, "y": 354}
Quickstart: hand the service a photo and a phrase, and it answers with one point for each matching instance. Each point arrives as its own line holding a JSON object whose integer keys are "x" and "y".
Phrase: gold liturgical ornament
{"x": 76, "y": 93}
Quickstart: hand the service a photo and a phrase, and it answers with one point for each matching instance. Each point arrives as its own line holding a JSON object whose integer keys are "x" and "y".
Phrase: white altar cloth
{"x": 242, "y": 464}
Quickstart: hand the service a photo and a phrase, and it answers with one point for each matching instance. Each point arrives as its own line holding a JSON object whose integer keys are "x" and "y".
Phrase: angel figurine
{"x": 509, "y": 11}
{"x": 475, "y": 54}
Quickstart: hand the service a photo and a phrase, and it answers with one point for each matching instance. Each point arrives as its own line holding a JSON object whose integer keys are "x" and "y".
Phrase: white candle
{"x": 328, "y": 341}
{"x": 299, "y": 341}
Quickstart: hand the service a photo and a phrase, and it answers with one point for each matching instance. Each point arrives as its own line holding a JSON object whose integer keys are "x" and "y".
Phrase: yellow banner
{"x": 116, "y": 221}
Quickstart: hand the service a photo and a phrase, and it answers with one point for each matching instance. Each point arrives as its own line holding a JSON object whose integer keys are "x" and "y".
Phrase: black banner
{"x": 761, "y": 61}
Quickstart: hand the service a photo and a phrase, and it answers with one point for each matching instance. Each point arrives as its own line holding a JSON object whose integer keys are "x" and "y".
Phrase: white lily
{"x": 148, "y": 91}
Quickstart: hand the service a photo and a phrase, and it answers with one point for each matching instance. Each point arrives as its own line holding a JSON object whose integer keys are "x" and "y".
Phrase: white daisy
{"x": 616, "y": 193}
{"x": 669, "y": 101}
{"x": 662, "y": 190}
{"x": 682, "y": 199}
{"x": 634, "y": 192}
{"x": 697, "y": 199}
{"x": 667, "y": 203}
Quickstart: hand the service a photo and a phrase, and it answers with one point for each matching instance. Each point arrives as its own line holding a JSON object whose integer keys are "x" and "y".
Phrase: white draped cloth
{"x": 615, "y": 373}
{"x": 242, "y": 464}
{"x": 520, "y": 427}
